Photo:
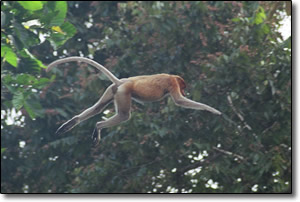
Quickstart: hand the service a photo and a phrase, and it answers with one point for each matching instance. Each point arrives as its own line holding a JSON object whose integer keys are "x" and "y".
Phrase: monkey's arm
{"x": 187, "y": 103}
{"x": 177, "y": 94}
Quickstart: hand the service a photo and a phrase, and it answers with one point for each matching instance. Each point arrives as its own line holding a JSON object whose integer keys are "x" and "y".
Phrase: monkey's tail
{"x": 112, "y": 77}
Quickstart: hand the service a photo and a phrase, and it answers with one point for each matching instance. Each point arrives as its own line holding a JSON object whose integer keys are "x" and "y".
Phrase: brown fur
{"x": 141, "y": 88}
{"x": 154, "y": 87}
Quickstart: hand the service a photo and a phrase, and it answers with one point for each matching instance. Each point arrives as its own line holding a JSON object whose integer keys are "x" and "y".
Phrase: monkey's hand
{"x": 67, "y": 126}
{"x": 96, "y": 136}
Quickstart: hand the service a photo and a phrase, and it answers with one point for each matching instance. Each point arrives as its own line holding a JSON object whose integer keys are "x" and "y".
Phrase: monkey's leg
{"x": 88, "y": 113}
{"x": 187, "y": 103}
{"x": 122, "y": 105}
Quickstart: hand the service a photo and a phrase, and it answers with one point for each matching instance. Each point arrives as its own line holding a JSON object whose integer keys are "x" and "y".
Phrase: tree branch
{"x": 229, "y": 153}
{"x": 237, "y": 113}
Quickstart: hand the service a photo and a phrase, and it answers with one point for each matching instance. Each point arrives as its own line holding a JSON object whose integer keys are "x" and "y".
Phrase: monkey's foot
{"x": 96, "y": 136}
{"x": 67, "y": 126}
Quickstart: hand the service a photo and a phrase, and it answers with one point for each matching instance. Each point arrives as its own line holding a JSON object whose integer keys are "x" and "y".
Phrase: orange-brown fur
{"x": 141, "y": 88}
{"x": 154, "y": 87}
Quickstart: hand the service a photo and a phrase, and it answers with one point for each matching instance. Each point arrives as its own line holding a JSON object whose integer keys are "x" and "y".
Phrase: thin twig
{"x": 229, "y": 153}
{"x": 237, "y": 113}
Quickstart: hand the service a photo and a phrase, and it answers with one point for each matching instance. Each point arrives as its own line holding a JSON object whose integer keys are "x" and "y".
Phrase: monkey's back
{"x": 150, "y": 88}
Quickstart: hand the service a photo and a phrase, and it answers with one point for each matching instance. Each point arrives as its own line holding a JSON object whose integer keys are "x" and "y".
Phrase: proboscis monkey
{"x": 146, "y": 88}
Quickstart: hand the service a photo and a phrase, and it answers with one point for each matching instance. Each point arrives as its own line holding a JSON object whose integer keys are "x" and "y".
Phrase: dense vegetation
{"x": 231, "y": 55}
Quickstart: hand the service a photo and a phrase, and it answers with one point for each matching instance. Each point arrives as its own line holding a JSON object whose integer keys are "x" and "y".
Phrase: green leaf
{"x": 260, "y": 16}
{"x": 31, "y": 61}
{"x": 4, "y": 49}
{"x": 29, "y": 110}
{"x": 235, "y": 19}
{"x": 7, "y": 79}
{"x": 25, "y": 79}
{"x": 58, "y": 39}
{"x": 262, "y": 13}
{"x": 41, "y": 83}
{"x": 61, "y": 12}
{"x": 9, "y": 55}
{"x": 18, "y": 100}
{"x": 7, "y": 82}
{"x": 31, "y": 5}
{"x": 258, "y": 20}
{"x": 69, "y": 29}
{"x": 34, "y": 108}
{"x": 23, "y": 35}
{"x": 265, "y": 29}
{"x": 2, "y": 150}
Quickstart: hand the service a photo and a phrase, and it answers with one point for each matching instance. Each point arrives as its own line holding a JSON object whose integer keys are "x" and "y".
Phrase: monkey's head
{"x": 182, "y": 84}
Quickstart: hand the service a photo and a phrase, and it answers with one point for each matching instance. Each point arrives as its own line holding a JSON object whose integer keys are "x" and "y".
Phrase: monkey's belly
{"x": 149, "y": 97}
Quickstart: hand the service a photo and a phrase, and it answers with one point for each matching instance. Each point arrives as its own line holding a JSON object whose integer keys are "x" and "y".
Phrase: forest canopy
{"x": 231, "y": 55}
